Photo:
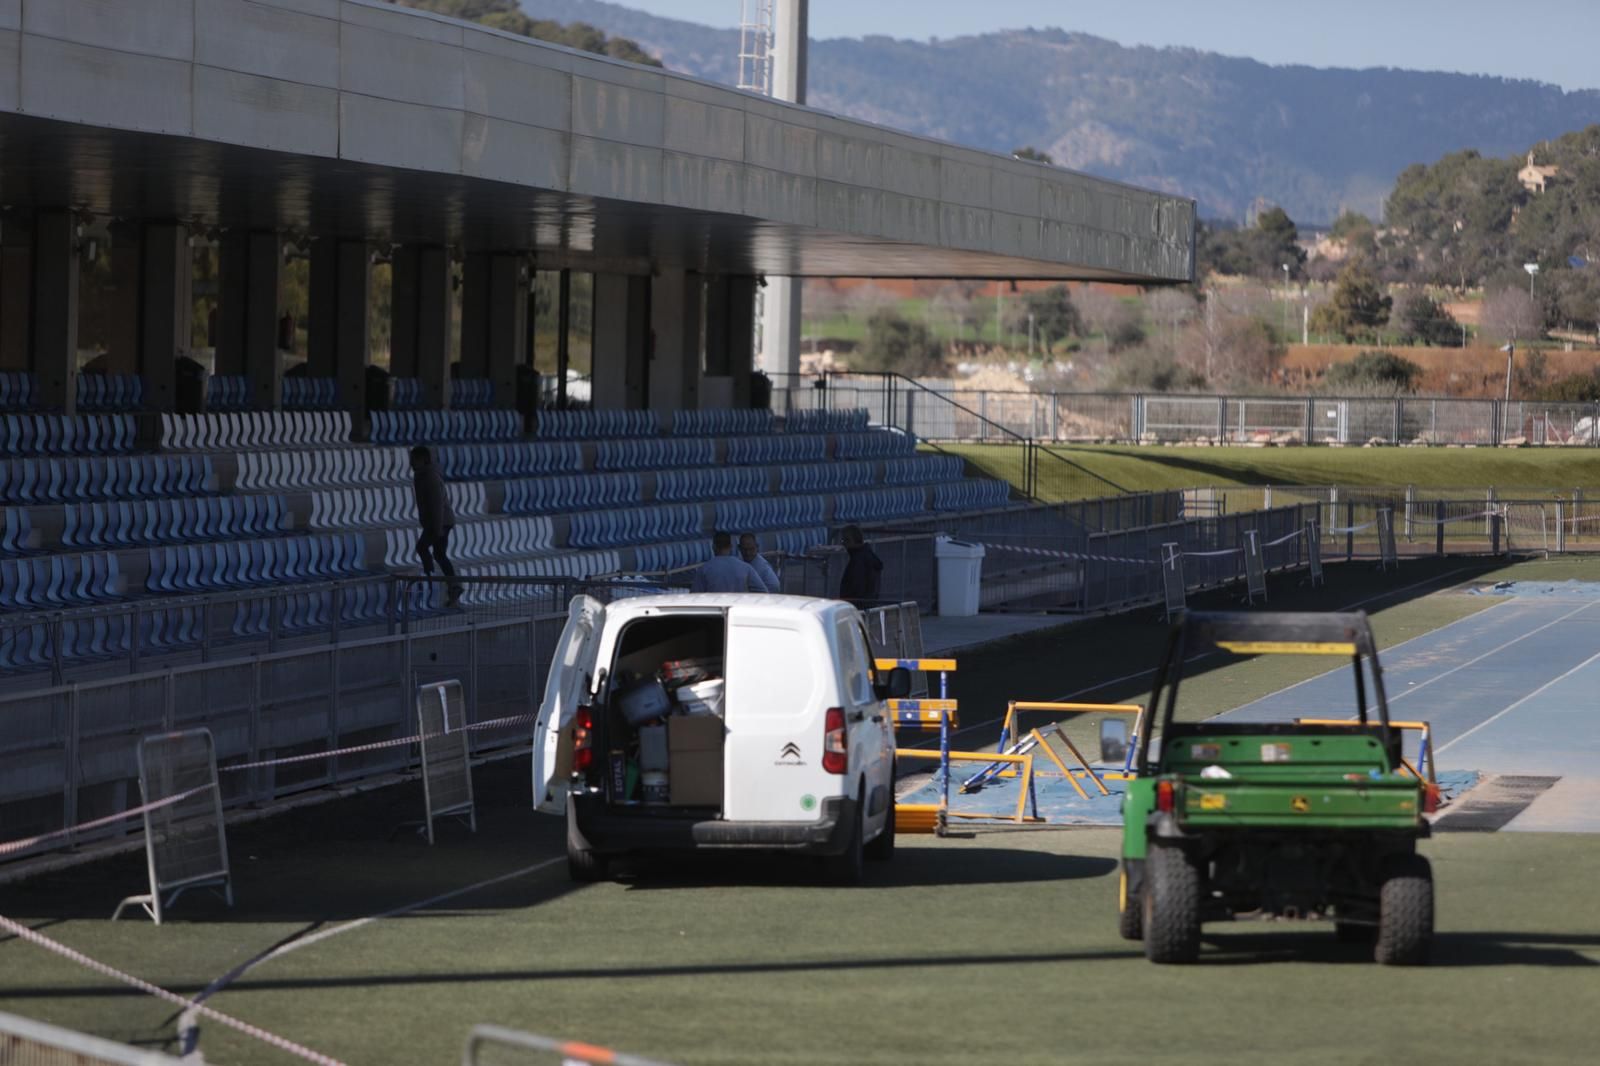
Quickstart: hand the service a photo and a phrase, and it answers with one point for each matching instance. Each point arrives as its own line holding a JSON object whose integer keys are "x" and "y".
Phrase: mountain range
{"x": 1230, "y": 132}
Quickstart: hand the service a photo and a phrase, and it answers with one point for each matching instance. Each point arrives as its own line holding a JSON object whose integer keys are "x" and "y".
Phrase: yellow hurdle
{"x": 1424, "y": 744}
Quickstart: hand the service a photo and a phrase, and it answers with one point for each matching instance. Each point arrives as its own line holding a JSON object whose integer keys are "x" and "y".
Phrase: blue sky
{"x": 1556, "y": 41}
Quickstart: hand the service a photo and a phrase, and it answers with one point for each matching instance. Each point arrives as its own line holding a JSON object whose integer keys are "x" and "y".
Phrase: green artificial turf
{"x": 1076, "y": 472}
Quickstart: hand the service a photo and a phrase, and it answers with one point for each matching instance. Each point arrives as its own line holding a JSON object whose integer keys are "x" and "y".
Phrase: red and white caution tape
{"x": 14, "y": 846}
{"x": 1053, "y": 554}
{"x": 1350, "y": 529}
{"x": 1284, "y": 540}
{"x": 272, "y": 1039}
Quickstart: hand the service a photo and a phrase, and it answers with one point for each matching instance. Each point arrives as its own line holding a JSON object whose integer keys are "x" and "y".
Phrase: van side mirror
{"x": 1113, "y": 740}
{"x": 897, "y": 686}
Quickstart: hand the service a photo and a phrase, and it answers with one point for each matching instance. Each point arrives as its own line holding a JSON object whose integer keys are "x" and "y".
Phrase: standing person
{"x": 725, "y": 573}
{"x": 435, "y": 517}
{"x": 859, "y": 585}
{"x": 750, "y": 552}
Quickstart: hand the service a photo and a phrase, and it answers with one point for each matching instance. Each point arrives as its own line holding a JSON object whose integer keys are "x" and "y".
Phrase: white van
{"x": 717, "y": 721}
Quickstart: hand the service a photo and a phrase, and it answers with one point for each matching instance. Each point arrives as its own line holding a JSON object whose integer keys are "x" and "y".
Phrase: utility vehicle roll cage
{"x": 1266, "y": 633}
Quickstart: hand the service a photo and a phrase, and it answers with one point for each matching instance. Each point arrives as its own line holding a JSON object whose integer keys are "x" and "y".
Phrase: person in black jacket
{"x": 862, "y": 573}
{"x": 436, "y": 518}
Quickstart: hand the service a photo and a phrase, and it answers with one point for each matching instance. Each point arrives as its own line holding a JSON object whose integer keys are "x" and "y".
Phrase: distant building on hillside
{"x": 1534, "y": 177}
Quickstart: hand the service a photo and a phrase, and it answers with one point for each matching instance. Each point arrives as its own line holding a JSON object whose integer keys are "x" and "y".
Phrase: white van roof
{"x": 638, "y": 605}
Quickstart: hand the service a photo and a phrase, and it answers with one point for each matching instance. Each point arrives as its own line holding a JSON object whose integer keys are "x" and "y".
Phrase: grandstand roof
{"x": 357, "y": 119}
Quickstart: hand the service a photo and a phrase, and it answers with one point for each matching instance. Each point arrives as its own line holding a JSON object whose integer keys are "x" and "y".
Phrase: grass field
{"x": 997, "y": 947}
{"x": 1103, "y": 470}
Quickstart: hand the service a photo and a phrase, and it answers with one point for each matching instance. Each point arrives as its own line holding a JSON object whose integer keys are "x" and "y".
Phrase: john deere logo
{"x": 1301, "y": 804}
{"x": 790, "y": 755}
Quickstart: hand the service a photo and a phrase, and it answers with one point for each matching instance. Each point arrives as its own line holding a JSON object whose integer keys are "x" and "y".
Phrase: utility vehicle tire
{"x": 1130, "y": 919}
{"x": 849, "y": 866}
{"x": 586, "y": 867}
{"x": 1171, "y": 906}
{"x": 1405, "y": 912}
{"x": 882, "y": 848}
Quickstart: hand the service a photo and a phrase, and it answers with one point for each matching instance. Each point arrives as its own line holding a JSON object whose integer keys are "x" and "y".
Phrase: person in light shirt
{"x": 750, "y": 552}
{"x": 724, "y": 571}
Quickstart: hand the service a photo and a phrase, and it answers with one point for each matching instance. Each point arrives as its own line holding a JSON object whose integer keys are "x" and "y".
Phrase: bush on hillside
{"x": 1373, "y": 372}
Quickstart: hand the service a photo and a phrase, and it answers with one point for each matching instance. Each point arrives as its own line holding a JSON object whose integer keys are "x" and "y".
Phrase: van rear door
{"x": 570, "y": 682}
{"x": 779, "y": 682}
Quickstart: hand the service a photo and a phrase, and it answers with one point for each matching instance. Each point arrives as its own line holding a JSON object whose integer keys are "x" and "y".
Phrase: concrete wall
{"x": 369, "y": 83}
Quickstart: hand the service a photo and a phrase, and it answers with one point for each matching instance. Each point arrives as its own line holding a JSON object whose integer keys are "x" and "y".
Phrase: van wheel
{"x": 1130, "y": 915}
{"x": 849, "y": 867}
{"x": 1405, "y": 912}
{"x": 1171, "y": 900}
{"x": 882, "y": 848}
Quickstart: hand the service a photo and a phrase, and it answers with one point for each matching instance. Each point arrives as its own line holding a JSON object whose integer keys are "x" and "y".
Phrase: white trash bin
{"x": 960, "y": 573}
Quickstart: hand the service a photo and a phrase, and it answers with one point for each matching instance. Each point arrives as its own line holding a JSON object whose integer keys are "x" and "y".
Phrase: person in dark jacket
{"x": 862, "y": 573}
{"x": 436, "y": 518}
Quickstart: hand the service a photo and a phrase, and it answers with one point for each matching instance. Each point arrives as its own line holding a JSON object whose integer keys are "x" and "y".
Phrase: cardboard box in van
{"x": 694, "y": 757}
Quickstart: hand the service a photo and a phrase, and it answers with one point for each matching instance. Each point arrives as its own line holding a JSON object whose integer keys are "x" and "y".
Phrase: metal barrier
{"x": 185, "y": 843}
{"x": 26, "y": 1042}
{"x": 446, "y": 757}
{"x": 928, "y": 715}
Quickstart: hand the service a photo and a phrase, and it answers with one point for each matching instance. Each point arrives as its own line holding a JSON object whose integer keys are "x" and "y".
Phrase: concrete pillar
{"x": 341, "y": 275}
{"x": 780, "y": 324}
{"x": 475, "y": 315}
{"x": 16, "y": 294}
{"x": 741, "y": 332}
{"x": 675, "y": 360}
{"x": 247, "y": 314}
{"x": 55, "y": 310}
{"x": 494, "y": 323}
{"x": 621, "y": 371}
{"x": 154, "y": 272}
{"x": 420, "y": 338}
{"x": 127, "y": 254}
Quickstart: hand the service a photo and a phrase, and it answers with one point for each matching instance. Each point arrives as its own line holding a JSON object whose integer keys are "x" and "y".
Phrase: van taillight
{"x": 1164, "y": 796}
{"x": 583, "y": 739}
{"x": 835, "y": 742}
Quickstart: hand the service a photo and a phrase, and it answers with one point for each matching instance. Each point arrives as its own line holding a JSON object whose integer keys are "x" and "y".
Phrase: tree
{"x": 895, "y": 343}
{"x": 1424, "y": 320}
{"x": 1033, "y": 155}
{"x": 1382, "y": 372}
{"x": 508, "y": 15}
{"x": 1171, "y": 309}
{"x": 1228, "y": 346}
{"x": 1358, "y": 306}
{"x": 1510, "y": 314}
{"x": 1054, "y": 315}
{"x": 1261, "y": 251}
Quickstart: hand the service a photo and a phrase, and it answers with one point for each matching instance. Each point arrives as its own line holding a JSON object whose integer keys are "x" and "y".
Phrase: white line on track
{"x": 1193, "y": 658}
{"x": 1511, "y": 707}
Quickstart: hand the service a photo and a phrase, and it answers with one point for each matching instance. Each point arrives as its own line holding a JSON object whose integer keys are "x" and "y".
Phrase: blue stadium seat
{"x": 820, "y": 421}
{"x": 721, "y": 423}
{"x": 782, "y": 448}
{"x": 596, "y": 424}
{"x": 711, "y": 484}
{"x": 301, "y": 393}
{"x": 874, "y": 444}
{"x": 923, "y": 470}
{"x": 471, "y": 393}
{"x": 971, "y": 495}
{"x": 228, "y": 393}
{"x": 16, "y": 390}
{"x": 878, "y": 505}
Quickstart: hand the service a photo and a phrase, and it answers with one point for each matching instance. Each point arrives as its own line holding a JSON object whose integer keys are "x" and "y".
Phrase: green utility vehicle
{"x": 1285, "y": 820}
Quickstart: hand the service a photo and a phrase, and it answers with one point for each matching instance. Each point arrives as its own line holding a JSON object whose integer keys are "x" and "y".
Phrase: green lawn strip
{"x": 1535, "y": 471}
{"x": 751, "y": 961}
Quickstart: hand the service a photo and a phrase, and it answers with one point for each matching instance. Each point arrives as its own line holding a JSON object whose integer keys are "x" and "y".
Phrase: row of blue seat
{"x": 66, "y": 434}
{"x": 254, "y": 429}
{"x": 130, "y": 523}
{"x": 438, "y": 427}
{"x": 228, "y": 392}
{"x": 821, "y": 421}
{"x": 571, "y": 492}
{"x": 497, "y": 462}
{"x": 712, "y": 483}
{"x": 320, "y": 468}
{"x": 17, "y": 388}
{"x": 771, "y": 512}
{"x": 191, "y": 568}
{"x": 728, "y": 422}
{"x": 471, "y": 393}
{"x": 596, "y": 424}
{"x": 879, "y": 505}
{"x": 971, "y": 495}
{"x": 923, "y": 469}
{"x": 110, "y": 392}
{"x": 764, "y": 451}
{"x": 405, "y": 394}
{"x": 660, "y": 453}
{"x": 387, "y": 505}
{"x": 498, "y": 537}
{"x": 874, "y": 444}
{"x": 17, "y": 536}
{"x": 53, "y": 582}
{"x": 310, "y": 394}
{"x": 827, "y": 477}
{"x": 655, "y": 558}
{"x": 117, "y": 477}
{"x": 634, "y": 525}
